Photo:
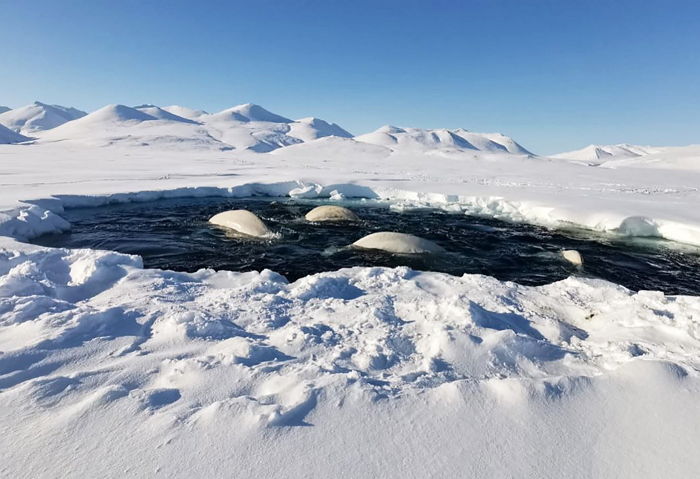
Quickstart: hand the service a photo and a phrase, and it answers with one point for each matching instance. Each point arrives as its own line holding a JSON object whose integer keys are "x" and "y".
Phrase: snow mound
{"x": 38, "y": 116}
{"x": 597, "y": 154}
{"x": 427, "y": 139}
{"x": 184, "y": 111}
{"x": 8, "y": 136}
{"x": 162, "y": 114}
{"x": 309, "y": 129}
{"x": 248, "y": 112}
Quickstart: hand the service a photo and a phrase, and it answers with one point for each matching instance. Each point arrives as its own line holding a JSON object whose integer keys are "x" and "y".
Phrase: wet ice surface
{"x": 175, "y": 234}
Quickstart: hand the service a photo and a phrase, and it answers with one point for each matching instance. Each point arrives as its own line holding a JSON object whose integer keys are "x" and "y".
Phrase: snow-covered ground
{"x": 109, "y": 370}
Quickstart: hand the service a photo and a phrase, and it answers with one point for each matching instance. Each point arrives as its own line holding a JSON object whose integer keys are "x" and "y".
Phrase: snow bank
{"x": 43, "y": 215}
{"x": 243, "y": 362}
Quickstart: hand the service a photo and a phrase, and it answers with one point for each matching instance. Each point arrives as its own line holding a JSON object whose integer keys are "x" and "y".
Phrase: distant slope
{"x": 184, "y": 111}
{"x": 336, "y": 147}
{"x": 246, "y": 113}
{"x": 252, "y": 127}
{"x": 244, "y": 127}
{"x": 3, "y": 109}
{"x": 106, "y": 116}
{"x": 8, "y": 136}
{"x": 162, "y": 114}
{"x": 38, "y": 116}
{"x": 668, "y": 157}
{"x": 309, "y": 129}
{"x": 597, "y": 154}
{"x": 126, "y": 126}
{"x": 431, "y": 139}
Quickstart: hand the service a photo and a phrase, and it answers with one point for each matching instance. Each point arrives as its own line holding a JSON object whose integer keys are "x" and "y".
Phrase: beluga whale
{"x": 401, "y": 243}
{"x": 243, "y": 222}
{"x": 572, "y": 256}
{"x": 331, "y": 213}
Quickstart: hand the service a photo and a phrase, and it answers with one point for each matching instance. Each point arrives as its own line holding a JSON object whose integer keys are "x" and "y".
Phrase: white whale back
{"x": 331, "y": 213}
{"x": 242, "y": 221}
{"x": 397, "y": 243}
{"x": 572, "y": 256}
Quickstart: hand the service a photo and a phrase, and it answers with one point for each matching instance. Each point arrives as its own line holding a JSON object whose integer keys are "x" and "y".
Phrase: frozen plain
{"x": 108, "y": 369}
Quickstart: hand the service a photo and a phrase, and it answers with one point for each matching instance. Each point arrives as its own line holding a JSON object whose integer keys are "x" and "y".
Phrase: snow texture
{"x": 103, "y": 357}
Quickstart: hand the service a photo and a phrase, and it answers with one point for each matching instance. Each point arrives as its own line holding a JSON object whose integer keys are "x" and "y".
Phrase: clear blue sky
{"x": 555, "y": 74}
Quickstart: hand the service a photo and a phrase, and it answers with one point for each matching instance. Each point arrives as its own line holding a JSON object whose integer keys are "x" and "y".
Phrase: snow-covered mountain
{"x": 8, "y": 136}
{"x": 37, "y": 117}
{"x": 426, "y": 139}
{"x": 597, "y": 154}
{"x": 162, "y": 114}
{"x": 126, "y": 126}
{"x": 309, "y": 129}
{"x": 3, "y": 109}
{"x": 246, "y": 113}
{"x": 184, "y": 111}
{"x": 243, "y": 127}
{"x": 251, "y": 127}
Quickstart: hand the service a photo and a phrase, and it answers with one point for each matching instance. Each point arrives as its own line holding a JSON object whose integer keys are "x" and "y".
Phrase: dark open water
{"x": 174, "y": 234}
